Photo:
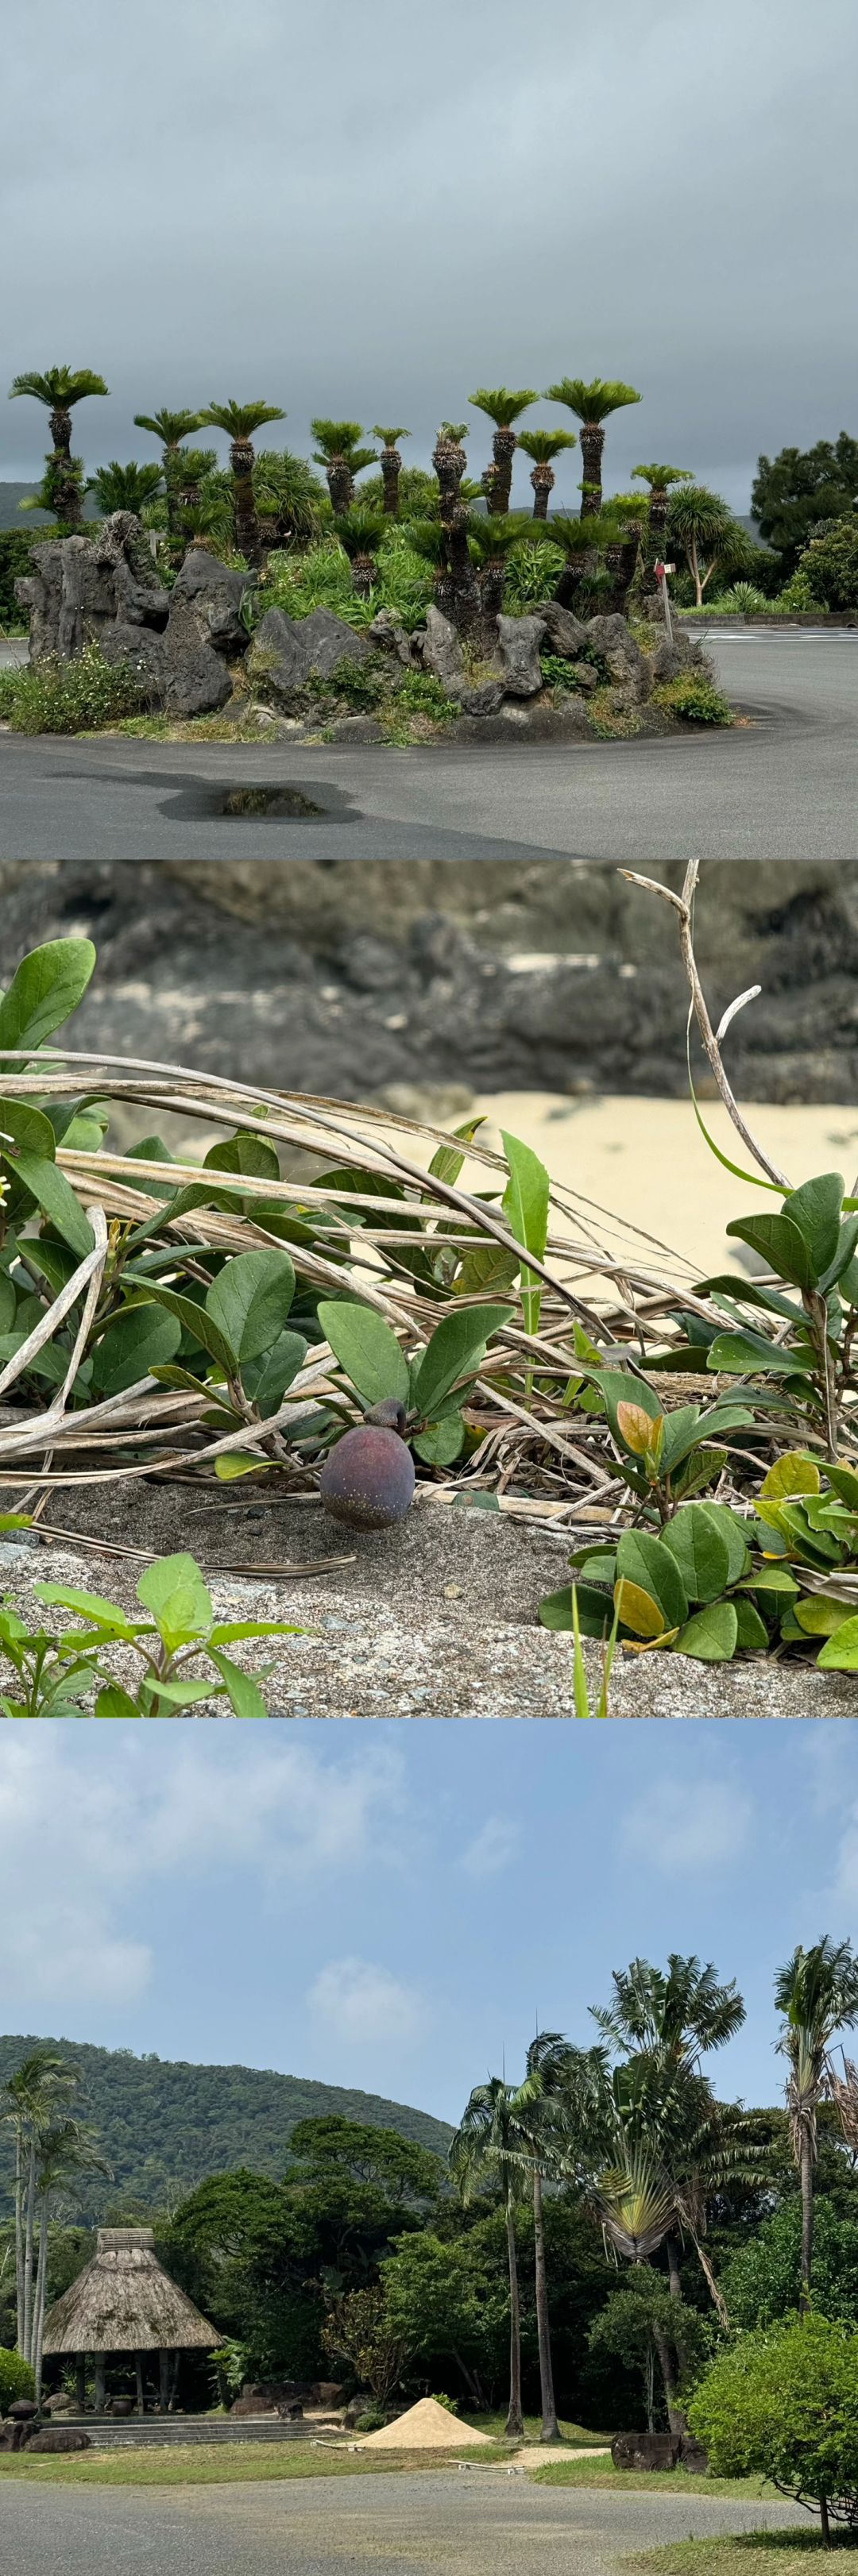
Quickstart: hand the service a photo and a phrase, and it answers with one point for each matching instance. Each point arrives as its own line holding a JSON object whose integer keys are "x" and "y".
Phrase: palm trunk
{"x": 246, "y": 521}
{"x": 41, "y": 2287}
{"x": 695, "y": 569}
{"x": 715, "y": 2291}
{"x": 550, "y": 2426}
{"x": 675, "y": 2417}
{"x": 363, "y": 575}
{"x": 19, "y": 2240}
{"x": 391, "y": 468}
{"x": 498, "y": 483}
{"x": 68, "y": 498}
{"x": 672, "y": 2251}
{"x": 28, "y": 2253}
{"x": 515, "y": 2419}
{"x": 174, "y": 497}
{"x": 492, "y": 580}
{"x": 341, "y": 486}
{"x": 542, "y": 480}
{"x": 806, "y": 2173}
{"x": 592, "y": 443}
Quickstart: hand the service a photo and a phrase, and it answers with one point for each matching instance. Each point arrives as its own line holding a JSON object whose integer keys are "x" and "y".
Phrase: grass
{"x": 602, "y": 2473}
{"x": 240, "y": 2465}
{"x": 750, "y": 2553}
{"x": 494, "y": 2423}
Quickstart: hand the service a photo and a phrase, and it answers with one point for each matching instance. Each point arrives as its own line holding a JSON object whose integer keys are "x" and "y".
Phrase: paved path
{"x": 785, "y": 788}
{"x": 463, "y": 2522}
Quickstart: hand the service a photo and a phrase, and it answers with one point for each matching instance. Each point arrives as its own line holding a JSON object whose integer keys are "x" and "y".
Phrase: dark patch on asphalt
{"x": 206, "y": 800}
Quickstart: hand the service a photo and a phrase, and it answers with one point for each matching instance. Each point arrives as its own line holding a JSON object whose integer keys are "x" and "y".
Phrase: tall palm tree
{"x": 360, "y": 532}
{"x": 542, "y": 445}
{"x": 172, "y": 428}
{"x": 65, "y": 2149}
{"x": 542, "y": 2107}
{"x": 59, "y": 389}
{"x": 29, "y": 2102}
{"x": 391, "y": 466}
{"x": 592, "y": 404}
{"x": 125, "y": 487}
{"x": 817, "y": 1991}
{"x": 339, "y": 452}
{"x": 240, "y": 421}
{"x": 660, "y": 479}
{"x": 450, "y": 462}
{"x": 490, "y": 2146}
{"x": 503, "y": 407}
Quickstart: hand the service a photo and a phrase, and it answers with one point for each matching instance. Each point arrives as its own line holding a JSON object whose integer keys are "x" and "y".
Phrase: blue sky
{"x": 395, "y": 1907}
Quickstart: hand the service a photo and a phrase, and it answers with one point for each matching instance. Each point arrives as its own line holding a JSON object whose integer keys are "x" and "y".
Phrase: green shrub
{"x": 694, "y": 697}
{"x": 16, "y": 2379}
{"x": 557, "y": 672}
{"x": 363, "y": 684}
{"x": 55, "y": 696}
{"x": 796, "y": 594}
{"x": 371, "y": 2421}
{"x": 439, "y": 2398}
{"x": 321, "y": 578}
{"x": 533, "y": 572}
{"x": 744, "y": 598}
{"x": 831, "y": 565}
{"x": 16, "y": 561}
{"x": 783, "y": 2404}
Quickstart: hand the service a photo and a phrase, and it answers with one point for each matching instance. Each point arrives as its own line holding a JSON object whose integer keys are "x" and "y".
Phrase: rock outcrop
{"x": 106, "y": 591}
{"x": 288, "y": 652}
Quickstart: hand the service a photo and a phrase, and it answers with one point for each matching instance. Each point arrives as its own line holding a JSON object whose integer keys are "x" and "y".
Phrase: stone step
{"x": 160, "y": 2432}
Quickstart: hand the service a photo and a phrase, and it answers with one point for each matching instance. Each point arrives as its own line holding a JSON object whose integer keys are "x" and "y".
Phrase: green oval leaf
{"x": 712, "y": 1635}
{"x": 366, "y": 1348}
{"x": 647, "y": 1562}
{"x": 700, "y": 1551}
{"x": 139, "y": 1339}
{"x": 455, "y": 1351}
{"x": 47, "y": 987}
{"x": 250, "y": 1299}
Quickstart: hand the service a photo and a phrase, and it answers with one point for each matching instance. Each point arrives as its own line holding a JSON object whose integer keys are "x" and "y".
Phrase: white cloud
{"x": 491, "y": 1848}
{"x": 686, "y": 1826}
{"x": 82, "y": 1836}
{"x": 360, "y": 2002}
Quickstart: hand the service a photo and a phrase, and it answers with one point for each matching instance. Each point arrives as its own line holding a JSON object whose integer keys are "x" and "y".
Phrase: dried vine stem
{"x": 682, "y": 905}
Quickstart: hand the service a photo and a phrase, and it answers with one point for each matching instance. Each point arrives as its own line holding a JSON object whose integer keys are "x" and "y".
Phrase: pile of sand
{"x": 426, "y": 2427}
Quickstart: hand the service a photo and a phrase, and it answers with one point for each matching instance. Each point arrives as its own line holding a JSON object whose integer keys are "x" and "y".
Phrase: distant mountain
{"x": 165, "y": 2126}
{"x": 12, "y": 516}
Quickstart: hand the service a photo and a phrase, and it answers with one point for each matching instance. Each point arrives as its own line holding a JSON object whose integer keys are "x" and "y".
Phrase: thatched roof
{"x": 125, "y": 2302}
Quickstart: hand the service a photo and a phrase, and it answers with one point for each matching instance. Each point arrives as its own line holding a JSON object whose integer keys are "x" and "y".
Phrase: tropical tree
{"x": 669, "y": 2023}
{"x": 680, "y": 2015}
{"x": 541, "y": 2103}
{"x": 582, "y": 541}
{"x": 125, "y": 487}
{"x": 172, "y": 428}
{"x": 503, "y": 407}
{"x": 817, "y": 1991}
{"x": 490, "y": 541}
{"x": 592, "y": 404}
{"x": 360, "y": 533}
{"x": 462, "y": 597}
{"x": 29, "y": 2102}
{"x": 289, "y": 497}
{"x": 65, "y": 2150}
{"x": 391, "y": 466}
{"x": 59, "y": 389}
{"x": 659, "y": 480}
{"x": 542, "y": 445}
{"x": 700, "y": 523}
{"x": 240, "y": 421}
{"x": 492, "y": 2147}
{"x": 339, "y": 452}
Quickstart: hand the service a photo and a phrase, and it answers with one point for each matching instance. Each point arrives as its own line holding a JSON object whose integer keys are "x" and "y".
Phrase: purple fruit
{"x": 368, "y": 1478}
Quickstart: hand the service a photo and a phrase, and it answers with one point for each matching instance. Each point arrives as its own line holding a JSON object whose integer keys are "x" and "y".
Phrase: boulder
{"x": 212, "y": 592}
{"x": 520, "y": 640}
{"x": 22, "y": 2410}
{"x": 389, "y": 635}
{"x": 59, "y": 2437}
{"x": 585, "y": 677}
{"x": 146, "y": 653}
{"x": 442, "y": 652}
{"x": 122, "y": 550}
{"x": 484, "y": 701}
{"x": 670, "y": 658}
{"x": 645, "y": 2450}
{"x": 612, "y": 640}
{"x": 287, "y": 651}
{"x": 564, "y": 633}
{"x": 196, "y": 677}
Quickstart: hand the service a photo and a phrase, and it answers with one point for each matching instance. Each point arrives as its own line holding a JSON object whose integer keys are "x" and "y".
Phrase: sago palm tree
{"x": 450, "y": 463}
{"x": 492, "y": 2147}
{"x": 817, "y": 1991}
{"x": 339, "y": 452}
{"x": 391, "y": 466}
{"x": 503, "y": 407}
{"x": 360, "y": 533}
{"x": 125, "y": 487}
{"x": 240, "y": 422}
{"x": 60, "y": 388}
{"x": 490, "y": 540}
{"x": 289, "y": 497}
{"x": 583, "y": 541}
{"x": 172, "y": 428}
{"x": 542, "y": 445}
{"x": 592, "y": 404}
{"x": 660, "y": 480}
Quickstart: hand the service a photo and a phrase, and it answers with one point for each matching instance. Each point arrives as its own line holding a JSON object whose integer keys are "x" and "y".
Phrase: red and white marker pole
{"x": 661, "y": 573}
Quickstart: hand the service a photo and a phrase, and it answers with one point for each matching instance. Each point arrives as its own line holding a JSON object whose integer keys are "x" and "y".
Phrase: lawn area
{"x": 578, "y": 2435}
{"x": 567, "y": 2472}
{"x": 753, "y": 2553}
{"x": 225, "y": 2465}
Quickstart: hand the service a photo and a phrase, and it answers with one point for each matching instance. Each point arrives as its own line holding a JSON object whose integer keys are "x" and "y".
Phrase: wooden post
{"x": 100, "y": 2384}
{"x": 164, "y": 2381}
{"x": 80, "y": 2376}
{"x": 138, "y": 2365}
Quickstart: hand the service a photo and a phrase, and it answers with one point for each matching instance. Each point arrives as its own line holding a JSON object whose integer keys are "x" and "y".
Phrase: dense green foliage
{"x": 783, "y": 2404}
{"x": 16, "y": 2378}
{"x": 762, "y": 2279}
{"x": 166, "y": 2126}
{"x": 799, "y": 488}
{"x": 830, "y": 565}
{"x": 59, "y": 696}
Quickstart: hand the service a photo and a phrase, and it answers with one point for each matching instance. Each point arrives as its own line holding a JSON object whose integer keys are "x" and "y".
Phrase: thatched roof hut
{"x": 125, "y": 2302}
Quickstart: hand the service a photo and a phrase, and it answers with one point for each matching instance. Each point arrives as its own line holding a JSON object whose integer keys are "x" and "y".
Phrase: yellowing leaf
{"x": 791, "y": 1474}
{"x": 637, "y": 1609}
{"x": 642, "y": 1432}
{"x": 649, "y": 1645}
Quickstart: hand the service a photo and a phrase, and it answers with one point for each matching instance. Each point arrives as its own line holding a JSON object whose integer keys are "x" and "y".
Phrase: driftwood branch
{"x": 682, "y": 904}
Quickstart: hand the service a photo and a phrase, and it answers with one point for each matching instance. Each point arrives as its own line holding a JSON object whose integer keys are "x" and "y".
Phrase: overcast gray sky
{"x": 371, "y": 212}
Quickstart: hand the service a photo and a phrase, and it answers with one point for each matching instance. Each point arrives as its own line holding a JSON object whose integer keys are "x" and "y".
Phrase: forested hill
{"x": 165, "y": 2126}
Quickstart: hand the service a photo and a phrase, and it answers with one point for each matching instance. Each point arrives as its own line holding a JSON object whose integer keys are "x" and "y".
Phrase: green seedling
{"x": 182, "y": 1628}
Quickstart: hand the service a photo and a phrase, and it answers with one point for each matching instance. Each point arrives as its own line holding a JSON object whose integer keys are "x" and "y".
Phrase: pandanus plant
{"x": 542, "y": 445}
{"x": 391, "y": 466}
{"x": 172, "y": 428}
{"x": 360, "y": 533}
{"x": 342, "y": 458}
{"x": 240, "y": 422}
{"x": 592, "y": 404}
{"x": 59, "y": 389}
{"x": 503, "y": 407}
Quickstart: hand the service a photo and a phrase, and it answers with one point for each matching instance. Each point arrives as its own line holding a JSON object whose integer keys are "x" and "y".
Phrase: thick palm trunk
{"x": 246, "y": 522}
{"x": 497, "y": 483}
{"x": 460, "y": 587}
{"x": 550, "y": 2426}
{"x": 363, "y": 575}
{"x": 492, "y": 580}
{"x": 341, "y": 485}
{"x": 174, "y": 498}
{"x": 592, "y": 443}
{"x": 675, "y": 2417}
{"x": 68, "y": 500}
{"x": 28, "y": 2253}
{"x": 391, "y": 468}
{"x": 19, "y": 2241}
{"x": 542, "y": 480}
{"x": 673, "y": 2272}
{"x": 515, "y": 2419}
{"x": 806, "y": 2175}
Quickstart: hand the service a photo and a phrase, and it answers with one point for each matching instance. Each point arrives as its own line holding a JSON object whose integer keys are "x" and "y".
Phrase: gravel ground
{"x": 482, "y": 2522}
{"x": 438, "y": 1619}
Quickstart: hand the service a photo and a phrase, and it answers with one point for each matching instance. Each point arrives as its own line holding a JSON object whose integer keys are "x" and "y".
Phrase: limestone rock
{"x": 442, "y": 652}
{"x": 287, "y": 651}
{"x": 213, "y": 593}
{"x": 611, "y": 638}
{"x": 585, "y": 677}
{"x": 645, "y": 2450}
{"x": 564, "y": 633}
{"x": 197, "y": 680}
{"x": 59, "y": 2437}
{"x": 520, "y": 640}
{"x": 389, "y": 635}
{"x": 484, "y": 701}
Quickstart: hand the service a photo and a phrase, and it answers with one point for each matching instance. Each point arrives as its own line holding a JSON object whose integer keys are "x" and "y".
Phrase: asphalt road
{"x": 465, "y": 2523}
{"x": 784, "y": 787}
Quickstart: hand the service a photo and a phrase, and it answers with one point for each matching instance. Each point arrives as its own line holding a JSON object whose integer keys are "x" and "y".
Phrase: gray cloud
{"x": 372, "y": 213}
